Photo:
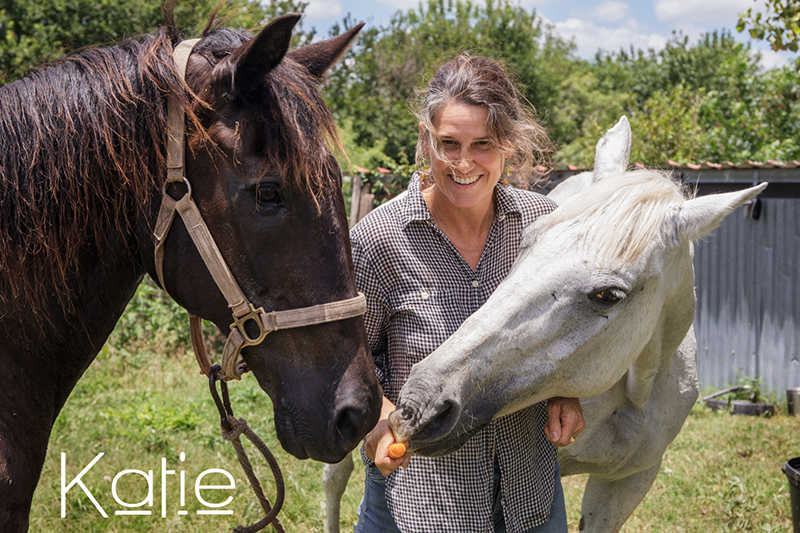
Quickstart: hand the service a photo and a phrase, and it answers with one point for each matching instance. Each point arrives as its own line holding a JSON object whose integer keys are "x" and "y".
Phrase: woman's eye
{"x": 268, "y": 194}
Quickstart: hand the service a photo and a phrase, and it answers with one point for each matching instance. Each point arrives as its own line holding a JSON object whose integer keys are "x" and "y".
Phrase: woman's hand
{"x": 564, "y": 420}
{"x": 379, "y": 440}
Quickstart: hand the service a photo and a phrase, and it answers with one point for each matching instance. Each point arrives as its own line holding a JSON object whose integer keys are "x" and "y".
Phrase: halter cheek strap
{"x": 243, "y": 311}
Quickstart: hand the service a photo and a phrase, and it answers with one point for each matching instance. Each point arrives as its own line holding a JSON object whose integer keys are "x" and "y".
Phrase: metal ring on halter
{"x": 167, "y": 183}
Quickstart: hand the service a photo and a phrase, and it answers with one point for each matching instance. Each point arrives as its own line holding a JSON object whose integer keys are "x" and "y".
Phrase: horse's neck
{"x": 673, "y": 324}
{"x": 79, "y": 330}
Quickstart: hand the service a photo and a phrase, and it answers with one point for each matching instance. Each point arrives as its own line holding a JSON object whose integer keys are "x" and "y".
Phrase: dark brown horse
{"x": 82, "y": 164}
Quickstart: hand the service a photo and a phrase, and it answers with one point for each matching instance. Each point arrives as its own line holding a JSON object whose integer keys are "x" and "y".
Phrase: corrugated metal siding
{"x": 748, "y": 297}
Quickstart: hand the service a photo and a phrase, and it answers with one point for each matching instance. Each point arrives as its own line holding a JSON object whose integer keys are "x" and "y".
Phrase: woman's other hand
{"x": 564, "y": 420}
{"x": 379, "y": 440}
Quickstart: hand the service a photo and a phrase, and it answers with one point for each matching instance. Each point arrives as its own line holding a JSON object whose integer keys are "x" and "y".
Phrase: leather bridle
{"x": 243, "y": 310}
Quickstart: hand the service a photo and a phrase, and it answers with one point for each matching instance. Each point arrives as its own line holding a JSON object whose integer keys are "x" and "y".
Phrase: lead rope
{"x": 232, "y": 429}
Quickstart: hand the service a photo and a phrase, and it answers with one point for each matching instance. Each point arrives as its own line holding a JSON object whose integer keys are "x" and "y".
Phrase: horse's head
{"x": 262, "y": 175}
{"x": 601, "y": 281}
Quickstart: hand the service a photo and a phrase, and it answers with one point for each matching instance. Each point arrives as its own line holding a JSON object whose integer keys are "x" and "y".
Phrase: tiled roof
{"x": 729, "y": 165}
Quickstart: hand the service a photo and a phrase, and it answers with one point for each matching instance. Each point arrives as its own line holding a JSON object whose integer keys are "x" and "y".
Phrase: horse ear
{"x": 613, "y": 151}
{"x": 254, "y": 59}
{"x": 318, "y": 57}
{"x": 699, "y": 216}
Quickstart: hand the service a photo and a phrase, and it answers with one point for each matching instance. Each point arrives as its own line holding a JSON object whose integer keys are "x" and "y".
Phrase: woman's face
{"x": 474, "y": 164}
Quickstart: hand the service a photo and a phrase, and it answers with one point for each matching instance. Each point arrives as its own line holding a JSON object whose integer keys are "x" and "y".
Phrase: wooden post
{"x": 360, "y": 202}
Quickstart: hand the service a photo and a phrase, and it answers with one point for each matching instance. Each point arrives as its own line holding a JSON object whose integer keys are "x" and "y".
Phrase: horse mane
{"x": 81, "y": 153}
{"x": 621, "y": 216}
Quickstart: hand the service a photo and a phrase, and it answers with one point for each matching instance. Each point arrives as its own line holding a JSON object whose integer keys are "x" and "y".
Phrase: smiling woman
{"x": 472, "y": 125}
{"x": 426, "y": 262}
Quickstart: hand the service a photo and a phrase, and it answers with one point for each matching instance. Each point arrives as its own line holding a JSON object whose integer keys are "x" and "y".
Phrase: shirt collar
{"x": 416, "y": 209}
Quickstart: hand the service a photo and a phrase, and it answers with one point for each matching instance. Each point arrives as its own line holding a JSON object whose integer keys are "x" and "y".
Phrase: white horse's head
{"x": 602, "y": 280}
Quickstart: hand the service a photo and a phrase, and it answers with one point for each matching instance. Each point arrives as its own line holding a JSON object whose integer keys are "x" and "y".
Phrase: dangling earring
{"x": 504, "y": 181}
{"x": 424, "y": 173}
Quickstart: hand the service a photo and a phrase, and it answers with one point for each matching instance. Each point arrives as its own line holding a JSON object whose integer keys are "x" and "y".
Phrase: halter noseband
{"x": 243, "y": 311}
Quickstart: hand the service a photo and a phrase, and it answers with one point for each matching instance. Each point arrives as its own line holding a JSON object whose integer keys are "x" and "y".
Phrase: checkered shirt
{"x": 419, "y": 290}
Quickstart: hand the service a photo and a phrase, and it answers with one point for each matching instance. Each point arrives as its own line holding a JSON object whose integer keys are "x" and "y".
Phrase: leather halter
{"x": 242, "y": 309}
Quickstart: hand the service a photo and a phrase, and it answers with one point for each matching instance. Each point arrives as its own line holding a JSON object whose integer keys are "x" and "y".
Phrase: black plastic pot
{"x": 792, "y": 471}
{"x": 742, "y": 407}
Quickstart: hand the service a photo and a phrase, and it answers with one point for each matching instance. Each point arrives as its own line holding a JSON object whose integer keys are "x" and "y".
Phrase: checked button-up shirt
{"x": 419, "y": 290}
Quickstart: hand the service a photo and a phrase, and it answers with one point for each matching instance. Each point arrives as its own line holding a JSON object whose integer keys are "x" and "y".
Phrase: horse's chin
{"x": 444, "y": 446}
{"x": 295, "y": 446}
{"x": 294, "y": 443}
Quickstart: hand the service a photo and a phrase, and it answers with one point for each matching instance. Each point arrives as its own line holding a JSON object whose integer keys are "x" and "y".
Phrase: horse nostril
{"x": 442, "y": 422}
{"x": 347, "y": 425}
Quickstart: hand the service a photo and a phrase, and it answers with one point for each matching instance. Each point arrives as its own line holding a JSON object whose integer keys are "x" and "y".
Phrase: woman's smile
{"x": 465, "y": 180}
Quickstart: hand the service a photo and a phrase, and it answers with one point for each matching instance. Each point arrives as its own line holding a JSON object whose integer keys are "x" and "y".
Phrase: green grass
{"x": 142, "y": 409}
{"x": 722, "y": 473}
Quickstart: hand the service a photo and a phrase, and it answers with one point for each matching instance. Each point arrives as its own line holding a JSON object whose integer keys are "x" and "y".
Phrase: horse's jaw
{"x": 320, "y": 413}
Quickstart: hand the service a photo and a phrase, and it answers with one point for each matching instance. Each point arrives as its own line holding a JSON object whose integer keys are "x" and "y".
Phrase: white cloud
{"x": 715, "y": 13}
{"x": 323, "y": 9}
{"x": 590, "y": 37}
{"x": 610, "y": 11}
{"x": 533, "y": 4}
{"x": 771, "y": 59}
{"x": 403, "y": 5}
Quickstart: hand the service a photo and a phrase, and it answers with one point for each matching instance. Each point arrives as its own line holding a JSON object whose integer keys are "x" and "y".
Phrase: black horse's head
{"x": 265, "y": 181}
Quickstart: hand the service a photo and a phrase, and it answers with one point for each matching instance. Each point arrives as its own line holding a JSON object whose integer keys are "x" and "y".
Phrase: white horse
{"x": 598, "y": 305}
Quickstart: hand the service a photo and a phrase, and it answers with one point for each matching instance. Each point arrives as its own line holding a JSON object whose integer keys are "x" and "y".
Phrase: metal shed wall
{"x": 748, "y": 286}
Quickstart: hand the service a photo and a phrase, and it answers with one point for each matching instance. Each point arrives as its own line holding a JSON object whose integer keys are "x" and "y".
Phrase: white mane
{"x": 632, "y": 207}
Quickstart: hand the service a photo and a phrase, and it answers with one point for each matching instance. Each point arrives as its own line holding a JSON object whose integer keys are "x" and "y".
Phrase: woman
{"x": 426, "y": 261}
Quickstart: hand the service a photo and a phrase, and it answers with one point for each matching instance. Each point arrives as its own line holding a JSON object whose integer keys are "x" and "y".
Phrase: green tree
{"x": 668, "y": 127}
{"x": 780, "y": 25}
{"x": 715, "y": 62}
{"x": 707, "y": 101}
{"x": 33, "y": 32}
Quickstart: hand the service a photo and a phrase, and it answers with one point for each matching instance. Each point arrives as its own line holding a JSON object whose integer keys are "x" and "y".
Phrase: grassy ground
{"x": 722, "y": 473}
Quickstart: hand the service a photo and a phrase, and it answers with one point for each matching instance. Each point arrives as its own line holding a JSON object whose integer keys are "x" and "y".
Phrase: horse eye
{"x": 609, "y": 296}
{"x": 268, "y": 194}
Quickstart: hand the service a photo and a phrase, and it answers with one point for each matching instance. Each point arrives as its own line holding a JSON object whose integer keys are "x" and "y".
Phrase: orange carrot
{"x": 397, "y": 450}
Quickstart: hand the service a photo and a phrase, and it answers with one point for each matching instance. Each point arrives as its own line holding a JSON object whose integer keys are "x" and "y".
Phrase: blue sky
{"x": 593, "y": 24}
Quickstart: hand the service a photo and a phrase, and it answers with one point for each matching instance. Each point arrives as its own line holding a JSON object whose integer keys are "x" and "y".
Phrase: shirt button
{"x": 502, "y": 217}
{"x": 475, "y": 283}
{"x": 424, "y": 295}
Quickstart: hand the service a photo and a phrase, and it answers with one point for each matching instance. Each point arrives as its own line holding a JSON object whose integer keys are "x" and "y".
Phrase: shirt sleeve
{"x": 376, "y": 318}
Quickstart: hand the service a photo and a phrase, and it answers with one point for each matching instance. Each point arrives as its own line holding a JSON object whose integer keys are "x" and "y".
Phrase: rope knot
{"x": 238, "y": 426}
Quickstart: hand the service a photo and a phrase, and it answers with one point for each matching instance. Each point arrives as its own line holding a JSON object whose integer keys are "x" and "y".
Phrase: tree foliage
{"x": 780, "y": 25}
{"x": 33, "y": 32}
{"x": 690, "y": 101}
{"x": 703, "y": 101}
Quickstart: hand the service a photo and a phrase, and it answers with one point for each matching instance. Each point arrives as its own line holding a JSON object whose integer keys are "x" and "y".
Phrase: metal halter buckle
{"x": 254, "y": 315}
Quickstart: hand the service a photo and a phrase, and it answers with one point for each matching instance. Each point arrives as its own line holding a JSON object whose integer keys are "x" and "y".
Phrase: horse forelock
{"x": 303, "y": 135}
{"x": 621, "y": 217}
{"x": 295, "y": 130}
{"x": 81, "y": 155}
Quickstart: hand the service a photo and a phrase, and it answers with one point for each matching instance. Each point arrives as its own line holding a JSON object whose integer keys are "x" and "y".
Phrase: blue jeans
{"x": 374, "y": 515}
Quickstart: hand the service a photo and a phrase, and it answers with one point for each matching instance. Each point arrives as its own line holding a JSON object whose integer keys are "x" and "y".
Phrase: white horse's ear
{"x": 613, "y": 151}
{"x": 698, "y": 217}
